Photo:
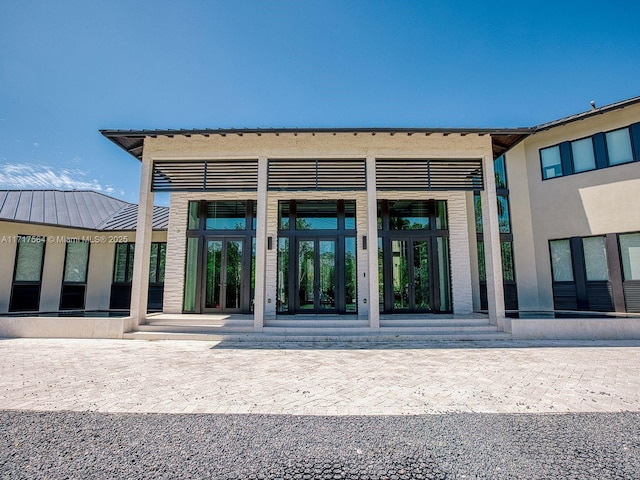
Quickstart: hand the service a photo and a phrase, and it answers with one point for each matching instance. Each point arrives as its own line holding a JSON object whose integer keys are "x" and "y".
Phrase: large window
{"x": 123, "y": 268}
{"x": 506, "y": 236}
{"x": 220, "y": 260}
{"x": 561, "y": 262}
{"x": 74, "y": 280}
{"x": 619, "y": 146}
{"x": 551, "y": 163}
{"x": 413, "y": 256}
{"x": 602, "y": 150}
{"x": 123, "y": 275}
{"x": 583, "y": 155}
{"x": 581, "y": 276}
{"x": 317, "y": 267}
{"x": 630, "y": 253}
{"x": 27, "y": 276}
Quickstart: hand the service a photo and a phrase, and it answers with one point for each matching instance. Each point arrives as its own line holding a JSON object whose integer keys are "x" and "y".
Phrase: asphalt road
{"x": 88, "y": 445}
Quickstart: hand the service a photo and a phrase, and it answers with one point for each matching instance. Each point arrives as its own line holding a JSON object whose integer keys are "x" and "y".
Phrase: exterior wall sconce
{"x": 364, "y": 242}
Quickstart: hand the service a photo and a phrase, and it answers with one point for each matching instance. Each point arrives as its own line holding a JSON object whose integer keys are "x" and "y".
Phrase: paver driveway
{"x": 335, "y": 379}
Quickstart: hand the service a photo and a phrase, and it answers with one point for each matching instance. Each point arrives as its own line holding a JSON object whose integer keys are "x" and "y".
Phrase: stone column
{"x": 144, "y": 229}
{"x": 261, "y": 245}
{"x": 372, "y": 244}
{"x": 491, "y": 237}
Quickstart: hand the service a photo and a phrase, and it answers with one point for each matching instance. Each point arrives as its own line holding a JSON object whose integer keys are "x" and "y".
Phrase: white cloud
{"x": 31, "y": 176}
{"x": 36, "y": 144}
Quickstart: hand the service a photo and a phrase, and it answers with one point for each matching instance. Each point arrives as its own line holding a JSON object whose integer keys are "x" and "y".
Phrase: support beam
{"x": 491, "y": 236}
{"x": 144, "y": 229}
{"x": 261, "y": 245}
{"x": 372, "y": 244}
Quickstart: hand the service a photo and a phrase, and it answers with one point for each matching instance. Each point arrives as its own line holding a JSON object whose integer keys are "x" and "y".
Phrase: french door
{"x": 223, "y": 270}
{"x": 316, "y": 278}
{"x": 411, "y": 274}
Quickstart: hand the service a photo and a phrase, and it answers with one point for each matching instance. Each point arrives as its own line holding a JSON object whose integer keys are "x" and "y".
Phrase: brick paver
{"x": 212, "y": 377}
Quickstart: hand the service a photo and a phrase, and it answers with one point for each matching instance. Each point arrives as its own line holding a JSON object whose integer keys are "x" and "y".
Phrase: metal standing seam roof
{"x": 77, "y": 209}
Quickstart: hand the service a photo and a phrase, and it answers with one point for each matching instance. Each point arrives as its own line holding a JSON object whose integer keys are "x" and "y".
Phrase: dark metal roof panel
{"x": 127, "y": 219}
{"x": 10, "y": 204}
{"x": 62, "y": 213}
{"x": 23, "y": 208}
{"x": 79, "y": 209}
{"x": 49, "y": 211}
{"x": 37, "y": 207}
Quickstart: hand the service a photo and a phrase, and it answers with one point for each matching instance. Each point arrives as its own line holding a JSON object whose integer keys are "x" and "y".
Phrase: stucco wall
{"x": 100, "y": 271}
{"x": 588, "y": 203}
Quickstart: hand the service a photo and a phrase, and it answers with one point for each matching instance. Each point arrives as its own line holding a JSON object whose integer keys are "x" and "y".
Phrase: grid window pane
{"x": 500, "y": 172}
{"x": 194, "y": 216}
{"x": 619, "y": 146}
{"x": 75, "y": 266}
{"x": 506, "y": 250}
{"x": 503, "y": 214}
{"x": 349, "y": 215}
{"x": 561, "y": 261}
{"x": 29, "y": 261}
{"x": 190, "y": 284}
{"x": 119, "y": 270}
{"x": 551, "y": 164}
{"x": 408, "y": 215}
{"x": 630, "y": 253}
{"x": 583, "y": 156}
{"x": 153, "y": 263}
{"x": 595, "y": 258}
{"x": 317, "y": 215}
{"x": 226, "y": 215}
{"x": 441, "y": 215}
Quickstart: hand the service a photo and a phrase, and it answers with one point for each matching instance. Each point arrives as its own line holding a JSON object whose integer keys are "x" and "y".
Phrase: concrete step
{"x": 435, "y": 329}
{"x": 322, "y": 323}
{"x": 326, "y": 337}
{"x": 432, "y": 322}
{"x": 197, "y": 328}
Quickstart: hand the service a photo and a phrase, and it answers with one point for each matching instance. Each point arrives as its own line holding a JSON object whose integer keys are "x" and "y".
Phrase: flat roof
{"x": 503, "y": 139}
{"x": 132, "y": 141}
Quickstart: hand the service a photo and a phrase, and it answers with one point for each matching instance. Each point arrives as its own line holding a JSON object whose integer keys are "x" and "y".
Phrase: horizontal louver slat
{"x": 429, "y": 174}
{"x": 321, "y": 174}
{"x": 201, "y": 175}
{"x": 632, "y": 295}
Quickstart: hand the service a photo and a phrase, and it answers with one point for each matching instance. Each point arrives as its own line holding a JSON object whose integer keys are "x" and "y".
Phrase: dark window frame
{"x": 600, "y": 151}
{"x": 68, "y": 287}
{"x": 339, "y": 235}
{"x": 23, "y": 283}
{"x": 386, "y": 235}
{"x": 202, "y": 234}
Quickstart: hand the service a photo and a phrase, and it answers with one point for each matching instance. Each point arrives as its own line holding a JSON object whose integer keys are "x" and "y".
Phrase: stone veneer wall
{"x": 458, "y": 243}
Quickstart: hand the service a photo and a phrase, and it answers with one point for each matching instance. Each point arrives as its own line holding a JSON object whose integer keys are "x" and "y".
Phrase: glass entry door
{"x": 410, "y": 274}
{"x": 223, "y": 274}
{"x": 316, "y": 275}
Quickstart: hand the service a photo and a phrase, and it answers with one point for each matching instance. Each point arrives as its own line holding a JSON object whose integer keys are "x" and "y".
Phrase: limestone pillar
{"x": 491, "y": 237}
{"x": 261, "y": 245}
{"x": 144, "y": 229}
{"x": 372, "y": 244}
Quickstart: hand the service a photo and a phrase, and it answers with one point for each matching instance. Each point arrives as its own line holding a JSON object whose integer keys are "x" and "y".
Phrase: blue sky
{"x": 70, "y": 68}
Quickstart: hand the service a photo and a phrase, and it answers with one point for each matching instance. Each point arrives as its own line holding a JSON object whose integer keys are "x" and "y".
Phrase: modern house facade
{"x": 364, "y": 224}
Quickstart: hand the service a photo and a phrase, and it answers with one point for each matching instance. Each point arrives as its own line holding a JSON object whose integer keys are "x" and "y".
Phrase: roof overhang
{"x": 132, "y": 141}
